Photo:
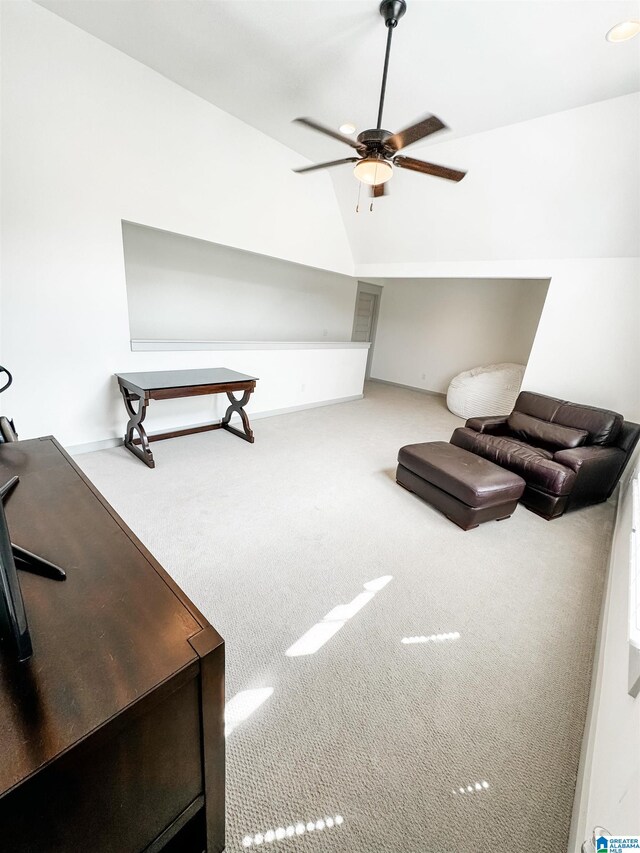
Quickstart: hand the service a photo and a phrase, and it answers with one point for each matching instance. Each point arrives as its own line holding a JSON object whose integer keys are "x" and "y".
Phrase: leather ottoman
{"x": 466, "y": 488}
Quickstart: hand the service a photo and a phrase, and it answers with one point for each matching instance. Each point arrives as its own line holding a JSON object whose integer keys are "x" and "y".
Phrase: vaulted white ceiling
{"x": 477, "y": 64}
{"x": 480, "y": 65}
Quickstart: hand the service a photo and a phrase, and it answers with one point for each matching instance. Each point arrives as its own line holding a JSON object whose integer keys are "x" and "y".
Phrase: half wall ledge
{"x": 182, "y": 346}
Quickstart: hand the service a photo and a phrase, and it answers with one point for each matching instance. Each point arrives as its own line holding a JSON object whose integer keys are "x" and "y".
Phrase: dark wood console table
{"x": 112, "y": 734}
{"x": 168, "y": 384}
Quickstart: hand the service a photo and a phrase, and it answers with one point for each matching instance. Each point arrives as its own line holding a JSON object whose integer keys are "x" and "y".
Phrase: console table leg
{"x": 135, "y": 424}
{"x": 238, "y": 406}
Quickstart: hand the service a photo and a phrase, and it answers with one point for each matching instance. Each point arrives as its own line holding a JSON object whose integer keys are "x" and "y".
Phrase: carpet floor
{"x": 464, "y": 739}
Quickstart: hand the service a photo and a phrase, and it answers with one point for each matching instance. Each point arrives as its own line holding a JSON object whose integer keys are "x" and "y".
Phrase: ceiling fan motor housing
{"x": 374, "y": 139}
{"x": 392, "y": 11}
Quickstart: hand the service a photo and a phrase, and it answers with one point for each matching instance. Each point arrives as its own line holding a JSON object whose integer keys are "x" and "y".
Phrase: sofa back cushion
{"x": 602, "y": 425}
{"x": 536, "y": 405}
{"x": 537, "y": 431}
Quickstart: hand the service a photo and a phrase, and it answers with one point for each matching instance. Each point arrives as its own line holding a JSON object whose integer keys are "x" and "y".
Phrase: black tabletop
{"x": 153, "y": 380}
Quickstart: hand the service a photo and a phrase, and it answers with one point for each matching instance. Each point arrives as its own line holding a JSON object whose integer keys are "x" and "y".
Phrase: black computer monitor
{"x": 14, "y": 629}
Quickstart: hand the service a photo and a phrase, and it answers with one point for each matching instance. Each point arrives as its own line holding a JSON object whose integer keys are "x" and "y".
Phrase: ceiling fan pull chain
{"x": 358, "y": 202}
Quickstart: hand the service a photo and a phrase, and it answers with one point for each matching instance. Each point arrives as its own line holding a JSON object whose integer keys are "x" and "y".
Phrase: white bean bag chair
{"x": 488, "y": 390}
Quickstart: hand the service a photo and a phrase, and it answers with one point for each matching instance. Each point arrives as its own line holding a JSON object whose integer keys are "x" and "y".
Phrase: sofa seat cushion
{"x": 535, "y": 465}
{"x": 467, "y": 476}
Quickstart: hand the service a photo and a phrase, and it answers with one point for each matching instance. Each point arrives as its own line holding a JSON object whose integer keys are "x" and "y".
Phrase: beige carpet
{"x": 268, "y": 539}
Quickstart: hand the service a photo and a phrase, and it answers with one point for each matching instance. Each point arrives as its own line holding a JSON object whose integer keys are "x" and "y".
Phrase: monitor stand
{"x": 25, "y": 560}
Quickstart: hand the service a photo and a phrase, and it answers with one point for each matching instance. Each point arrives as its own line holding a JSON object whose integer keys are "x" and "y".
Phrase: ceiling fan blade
{"x": 314, "y": 125}
{"x": 428, "y": 168}
{"x": 425, "y": 127}
{"x": 378, "y": 190}
{"x": 326, "y": 165}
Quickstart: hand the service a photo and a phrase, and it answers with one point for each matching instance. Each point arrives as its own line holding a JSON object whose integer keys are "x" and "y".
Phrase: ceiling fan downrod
{"x": 391, "y": 11}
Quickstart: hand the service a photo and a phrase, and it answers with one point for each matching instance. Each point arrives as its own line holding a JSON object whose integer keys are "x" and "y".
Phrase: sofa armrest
{"x": 598, "y": 470}
{"x": 495, "y": 424}
{"x": 576, "y": 457}
{"x": 628, "y": 437}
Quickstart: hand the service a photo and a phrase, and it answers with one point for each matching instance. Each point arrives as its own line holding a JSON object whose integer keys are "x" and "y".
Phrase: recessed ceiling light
{"x": 347, "y": 127}
{"x": 623, "y": 31}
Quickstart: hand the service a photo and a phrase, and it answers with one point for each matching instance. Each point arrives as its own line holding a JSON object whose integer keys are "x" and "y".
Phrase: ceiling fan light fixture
{"x": 373, "y": 171}
{"x": 623, "y": 31}
{"x": 347, "y": 128}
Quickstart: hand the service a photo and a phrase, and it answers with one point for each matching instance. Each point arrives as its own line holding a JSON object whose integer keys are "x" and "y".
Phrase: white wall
{"x": 557, "y": 198}
{"x": 446, "y": 326}
{"x": 554, "y": 198}
{"x": 181, "y": 288}
{"x": 561, "y": 186}
{"x": 587, "y": 346}
{"x": 287, "y": 380}
{"x": 90, "y": 138}
{"x": 609, "y": 791}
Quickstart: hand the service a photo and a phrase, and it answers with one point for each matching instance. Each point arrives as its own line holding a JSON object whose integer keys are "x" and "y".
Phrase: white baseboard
{"x": 91, "y": 446}
{"x": 105, "y": 444}
{"x": 408, "y": 387}
{"x": 318, "y": 405}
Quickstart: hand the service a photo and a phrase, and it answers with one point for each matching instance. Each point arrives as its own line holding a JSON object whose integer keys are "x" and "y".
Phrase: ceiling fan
{"x": 378, "y": 149}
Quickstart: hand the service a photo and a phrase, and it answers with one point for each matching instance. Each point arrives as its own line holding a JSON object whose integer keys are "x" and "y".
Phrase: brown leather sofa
{"x": 569, "y": 455}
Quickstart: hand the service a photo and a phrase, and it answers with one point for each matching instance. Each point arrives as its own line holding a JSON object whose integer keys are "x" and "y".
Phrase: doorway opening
{"x": 365, "y": 318}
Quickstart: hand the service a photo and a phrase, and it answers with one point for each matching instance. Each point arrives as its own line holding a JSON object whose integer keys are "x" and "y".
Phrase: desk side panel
{"x": 113, "y": 794}
{"x": 212, "y": 699}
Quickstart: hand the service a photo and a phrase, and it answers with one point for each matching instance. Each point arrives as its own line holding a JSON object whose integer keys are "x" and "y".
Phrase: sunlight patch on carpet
{"x": 316, "y": 637}
{"x": 282, "y": 833}
{"x": 432, "y": 638}
{"x": 243, "y": 704}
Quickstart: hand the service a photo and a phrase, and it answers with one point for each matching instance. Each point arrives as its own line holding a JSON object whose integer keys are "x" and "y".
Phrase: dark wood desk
{"x": 112, "y": 735}
{"x": 168, "y": 384}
